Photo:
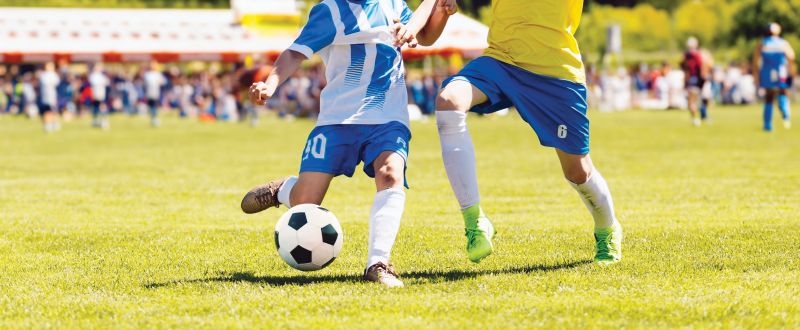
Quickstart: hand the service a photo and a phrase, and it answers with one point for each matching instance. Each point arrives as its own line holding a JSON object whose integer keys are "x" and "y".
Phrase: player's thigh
{"x": 310, "y": 188}
{"x": 459, "y": 95}
{"x": 577, "y": 168}
{"x": 389, "y": 170}
{"x": 769, "y": 95}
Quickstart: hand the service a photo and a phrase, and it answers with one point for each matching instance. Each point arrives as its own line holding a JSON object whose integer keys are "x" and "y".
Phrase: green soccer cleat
{"x": 479, "y": 231}
{"x": 609, "y": 244}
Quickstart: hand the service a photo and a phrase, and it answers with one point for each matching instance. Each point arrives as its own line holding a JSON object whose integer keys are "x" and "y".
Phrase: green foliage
{"x": 644, "y": 28}
{"x": 140, "y": 228}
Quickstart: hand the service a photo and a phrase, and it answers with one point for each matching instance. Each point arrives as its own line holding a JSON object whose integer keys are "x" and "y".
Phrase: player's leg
{"x": 693, "y": 111}
{"x": 458, "y": 153}
{"x": 329, "y": 151}
{"x": 593, "y": 190}
{"x": 783, "y": 105}
{"x": 385, "y": 215}
{"x": 705, "y": 100}
{"x": 704, "y": 109}
{"x": 153, "y": 104}
{"x": 95, "y": 113}
{"x": 769, "y": 100}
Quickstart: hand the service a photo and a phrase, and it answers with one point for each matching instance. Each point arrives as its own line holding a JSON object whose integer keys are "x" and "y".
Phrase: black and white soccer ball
{"x": 308, "y": 237}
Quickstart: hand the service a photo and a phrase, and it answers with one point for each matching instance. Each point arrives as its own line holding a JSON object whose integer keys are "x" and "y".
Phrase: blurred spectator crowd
{"x": 661, "y": 87}
{"x": 215, "y": 93}
{"x": 210, "y": 94}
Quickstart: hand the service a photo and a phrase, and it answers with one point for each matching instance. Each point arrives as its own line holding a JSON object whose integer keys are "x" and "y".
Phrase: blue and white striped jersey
{"x": 775, "y": 63}
{"x": 365, "y": 72}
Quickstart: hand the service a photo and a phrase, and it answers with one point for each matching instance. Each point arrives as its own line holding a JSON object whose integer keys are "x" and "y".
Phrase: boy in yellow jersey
{"x": 534, "y": 64}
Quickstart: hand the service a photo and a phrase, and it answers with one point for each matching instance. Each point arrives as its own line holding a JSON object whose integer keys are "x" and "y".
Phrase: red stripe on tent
{"x": 112, "y": 57}
{"x": 166, "y": 57}
{"x": 231, "y": 57}
{"x": 62, "y": 58}
{"x": 12, "y": 57}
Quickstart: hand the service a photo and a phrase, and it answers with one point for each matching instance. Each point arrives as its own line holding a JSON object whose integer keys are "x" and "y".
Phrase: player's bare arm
{"x": 427, "y": 23}
{"x": 757, "y": 65}
{"x": 286, "y": 65}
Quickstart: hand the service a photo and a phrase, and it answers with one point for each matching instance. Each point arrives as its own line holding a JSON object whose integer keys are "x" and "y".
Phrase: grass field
{"x": 141, "y": 228}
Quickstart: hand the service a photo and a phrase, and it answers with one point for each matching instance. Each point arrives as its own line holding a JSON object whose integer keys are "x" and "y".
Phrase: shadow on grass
{"x": 451, "y": 275}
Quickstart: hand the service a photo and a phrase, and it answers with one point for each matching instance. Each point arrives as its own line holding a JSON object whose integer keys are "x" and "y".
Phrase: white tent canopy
{"x": 116, "y": 35}
{"x": 461, "y": 35}
{"x": 31, "y": 34}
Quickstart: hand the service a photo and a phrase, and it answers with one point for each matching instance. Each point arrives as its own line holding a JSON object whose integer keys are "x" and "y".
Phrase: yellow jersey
{"x": 538, "y": 36}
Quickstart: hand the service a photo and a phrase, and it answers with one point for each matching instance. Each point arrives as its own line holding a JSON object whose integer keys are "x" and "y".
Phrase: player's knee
{"x": 577, "y": 174}
{"x": 389, "y": 175}
{"x": 449, "y": 100}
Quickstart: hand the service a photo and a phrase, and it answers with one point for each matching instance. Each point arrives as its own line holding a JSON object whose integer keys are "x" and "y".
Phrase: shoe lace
{"x": 471, "y": 234}
{"x": 383, "y": 270}
{"x": 266, "y": 196}
{"x": 603, "y": 243}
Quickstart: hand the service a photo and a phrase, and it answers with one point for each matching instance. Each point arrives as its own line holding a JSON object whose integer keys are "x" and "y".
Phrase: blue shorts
{"x": 768, "y": 81}
{"x": 338, "y": 149}
{"x": 554, "y": 108}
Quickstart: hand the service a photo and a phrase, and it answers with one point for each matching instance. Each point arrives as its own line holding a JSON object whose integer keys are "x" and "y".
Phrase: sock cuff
{"x": 285, "y": 191}
{"x": 451, "y": 122}
{"x": 391, "y": 191}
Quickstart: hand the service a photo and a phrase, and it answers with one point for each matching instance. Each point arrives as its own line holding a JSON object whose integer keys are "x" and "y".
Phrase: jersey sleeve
{"x": 318, "y": 32}
{"x": 405, "y": 12}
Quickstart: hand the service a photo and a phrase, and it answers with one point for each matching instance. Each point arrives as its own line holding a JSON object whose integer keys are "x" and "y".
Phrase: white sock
{"x": 459, "y": 156}
{"x": 384, "y": 223}
{"x": 597, "y": 197}
{"x": 286, "y": 190}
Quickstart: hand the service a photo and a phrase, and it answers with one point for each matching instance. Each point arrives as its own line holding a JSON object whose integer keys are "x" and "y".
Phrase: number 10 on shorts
{"x": 316, "y": 147}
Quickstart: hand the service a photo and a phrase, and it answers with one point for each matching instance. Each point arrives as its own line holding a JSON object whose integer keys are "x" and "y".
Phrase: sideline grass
{"x": 140, "y": 228}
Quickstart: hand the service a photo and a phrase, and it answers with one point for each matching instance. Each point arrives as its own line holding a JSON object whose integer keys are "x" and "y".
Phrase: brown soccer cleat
{"x": 262, "y": 197}
{"x": 383, "y": 274}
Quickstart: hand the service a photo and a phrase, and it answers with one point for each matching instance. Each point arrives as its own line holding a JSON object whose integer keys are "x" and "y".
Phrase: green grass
{"x": 141, "y": 228}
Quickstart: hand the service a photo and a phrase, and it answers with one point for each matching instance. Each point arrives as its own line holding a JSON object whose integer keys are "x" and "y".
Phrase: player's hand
{"x": 450, "y": 6}
{"x": 258, "y": 93}
{"x": 761, "y": 92}
{"x": 402, "y": 35}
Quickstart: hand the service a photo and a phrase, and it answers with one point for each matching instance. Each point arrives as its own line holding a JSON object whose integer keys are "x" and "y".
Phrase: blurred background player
{"x": 539, "y": 70}
{"x": 707, "y": 92}
{"x": 363, "y": 116}
{"x": 48, "y": 92}
{"x": 98, "y": 83}
{"x": 154, "y": 80}
{"x": 695, "y": 78}
{"x": 773, "y": 61}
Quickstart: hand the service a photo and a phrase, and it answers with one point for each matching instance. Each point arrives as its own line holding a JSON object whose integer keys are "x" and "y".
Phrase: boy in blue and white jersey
{"x": 363, "y": 111}
{"x": 773, "y": 60}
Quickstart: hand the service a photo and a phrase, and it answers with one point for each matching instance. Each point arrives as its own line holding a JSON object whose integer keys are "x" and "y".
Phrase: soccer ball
{"x": 308, "y": 237}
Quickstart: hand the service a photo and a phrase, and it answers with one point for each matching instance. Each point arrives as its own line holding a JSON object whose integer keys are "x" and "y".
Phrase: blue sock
{"x": 783, "y": 105}
{"x": 704, "y": 110}
{"x": 768, "y": 116}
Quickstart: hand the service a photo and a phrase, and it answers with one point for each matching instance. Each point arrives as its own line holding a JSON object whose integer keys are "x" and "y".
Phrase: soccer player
{"x": 695, "y": 78}
{"x": 773, "y": 61}
{"x": 48, "y": 84}
{"x": 533, "y": 63}
{"x": 99, "y": 83}
{"x": 363, "y": 115}
{"x": 153, "y": 81}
